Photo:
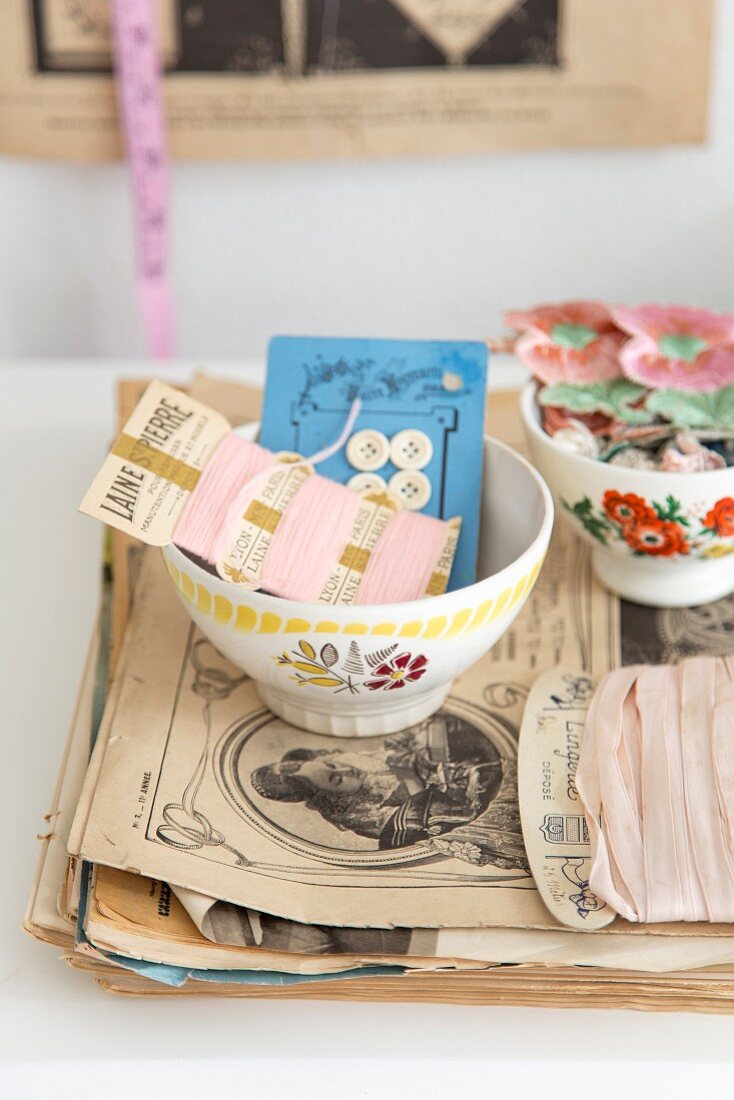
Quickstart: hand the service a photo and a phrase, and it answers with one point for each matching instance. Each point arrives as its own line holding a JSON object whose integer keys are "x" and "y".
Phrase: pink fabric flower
{"x": 396, "y": 673}
{"x": 677, "y": 347}
{"x": 569, "y": 342}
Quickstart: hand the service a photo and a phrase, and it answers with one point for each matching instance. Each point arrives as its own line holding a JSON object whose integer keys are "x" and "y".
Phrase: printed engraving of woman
{"x": 419, "y": 784}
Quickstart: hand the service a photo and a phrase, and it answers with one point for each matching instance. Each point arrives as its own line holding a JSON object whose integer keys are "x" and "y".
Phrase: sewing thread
{"x": 233, "y": 466}
{"x": 306, "y": 529}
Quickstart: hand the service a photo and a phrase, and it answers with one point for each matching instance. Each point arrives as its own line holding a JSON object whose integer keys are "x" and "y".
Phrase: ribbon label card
{"x": 553, "y": 821}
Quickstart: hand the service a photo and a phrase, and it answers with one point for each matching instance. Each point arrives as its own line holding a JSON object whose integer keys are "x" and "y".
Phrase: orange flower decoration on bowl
{"x": 720, "y": 520}
{"x": 657, "y": 529}
{"x": 657, "y": 537}
{"x": 570, "y": 342}
{"x": 647, "y": 530}
{"x": 626, "y": 508}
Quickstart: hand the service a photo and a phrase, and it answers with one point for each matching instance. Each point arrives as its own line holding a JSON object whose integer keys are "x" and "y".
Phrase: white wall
{"x": 397, "y": 247}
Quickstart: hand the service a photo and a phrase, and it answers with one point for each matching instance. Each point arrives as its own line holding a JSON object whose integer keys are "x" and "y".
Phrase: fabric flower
{"x": 398, "y": 671}
{"x": 721, "y": 518}
{"x": 657, "y": 537}
{"x": 685, "y": 455}
{"x": 633, "y": 458}
{"x": 577, "y": 440}
{"x": 557, "y": 417}
{"x": 709, "y": 412}
{"x": 677, "y": 347}
{"x": 570, "y": 342}
{"x": 616, "y": 398}
{"x": 626, "y": 508}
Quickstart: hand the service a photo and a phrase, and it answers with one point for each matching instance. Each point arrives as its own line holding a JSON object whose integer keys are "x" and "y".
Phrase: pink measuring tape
{"x": 138, "y": 72}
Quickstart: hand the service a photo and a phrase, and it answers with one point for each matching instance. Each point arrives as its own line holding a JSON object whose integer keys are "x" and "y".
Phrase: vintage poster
{"x": 314, "y": 78}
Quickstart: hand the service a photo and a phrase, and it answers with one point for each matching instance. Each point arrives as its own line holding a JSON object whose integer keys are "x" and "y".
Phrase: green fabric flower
{"x": 614, "y": 398}
{"x": 712, "y": 411}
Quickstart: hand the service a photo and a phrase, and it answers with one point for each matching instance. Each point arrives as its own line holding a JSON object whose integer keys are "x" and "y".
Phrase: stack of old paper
{"x": 191, "y": 867}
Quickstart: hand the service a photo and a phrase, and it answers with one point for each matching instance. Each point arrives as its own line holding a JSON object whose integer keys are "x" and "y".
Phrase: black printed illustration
{"x": 584, "y": 899}
{"x": 407, "y": 788}
{"x": 575, "y": 869}
{"x": 413, "y": 34}
{"x": 236, "y": 925}
{"x": 565, "y": 829}
{"x": 184, "y": 826}
{"x": 666, "y": 635}
{"x": 444, "y": 790}
{"x": 306, "y": 37}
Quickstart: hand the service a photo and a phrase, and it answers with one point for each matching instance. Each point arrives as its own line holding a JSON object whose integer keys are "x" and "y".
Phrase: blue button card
{"x": 433, "y": 386}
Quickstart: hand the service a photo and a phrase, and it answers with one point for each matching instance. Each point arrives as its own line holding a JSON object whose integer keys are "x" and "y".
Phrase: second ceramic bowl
{"x": 662, "y": 539}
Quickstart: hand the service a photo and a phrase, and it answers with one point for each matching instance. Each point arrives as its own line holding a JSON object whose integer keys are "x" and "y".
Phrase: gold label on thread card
{"x": 156, "y": 462}
{"x": 260, "y": 515}
{"x": 440, "y": 577}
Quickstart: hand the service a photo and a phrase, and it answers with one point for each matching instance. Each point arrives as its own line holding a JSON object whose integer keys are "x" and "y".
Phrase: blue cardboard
{"x": 435, "y": 386}
{"x": 177, "y": 976}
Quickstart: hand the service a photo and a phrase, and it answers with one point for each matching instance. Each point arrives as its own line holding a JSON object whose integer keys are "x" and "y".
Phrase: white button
{"x": 411, "y": 449}
{"x": 367, "y": 483}
{"x": 368, "y": 450}
{"x": 412, "y": 488}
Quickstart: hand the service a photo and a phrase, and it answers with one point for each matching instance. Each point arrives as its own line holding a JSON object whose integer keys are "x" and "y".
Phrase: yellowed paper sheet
{"x": 531, "y": 986}
{"x": 135, "y": 916}
{"x": 142, "y": 918}
{"x": 311, "y": 78}
{"x": 240, "y": 404}
{"x": 132, "y": 915}
{"x": 237, "y": 842}
{"x": 44, "y": 916}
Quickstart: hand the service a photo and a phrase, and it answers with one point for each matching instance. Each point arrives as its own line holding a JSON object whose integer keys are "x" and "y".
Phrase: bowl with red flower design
{"x": 659, "y": 537}
{"x": 364, "y": 670}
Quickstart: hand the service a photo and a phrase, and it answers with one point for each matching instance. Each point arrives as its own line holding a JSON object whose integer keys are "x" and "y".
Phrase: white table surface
{"x": 59, "y": 1032}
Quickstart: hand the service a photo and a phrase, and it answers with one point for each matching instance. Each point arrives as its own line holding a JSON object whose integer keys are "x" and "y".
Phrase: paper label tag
{"x": 243, "y": 564}
{"x": 154, "y": 464}
{"x": 552, "y": 816}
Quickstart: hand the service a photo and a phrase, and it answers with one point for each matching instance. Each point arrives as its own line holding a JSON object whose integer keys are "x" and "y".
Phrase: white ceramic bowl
{"x": 659, "y": 538}
{"x": 368, "y": 670}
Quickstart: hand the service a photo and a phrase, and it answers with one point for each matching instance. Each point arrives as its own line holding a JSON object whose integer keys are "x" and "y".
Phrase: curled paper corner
{"x": 553, "y": 822}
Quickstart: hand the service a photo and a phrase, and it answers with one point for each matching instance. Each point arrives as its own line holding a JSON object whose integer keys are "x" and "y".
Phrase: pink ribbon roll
{"x": 656, "y": 779}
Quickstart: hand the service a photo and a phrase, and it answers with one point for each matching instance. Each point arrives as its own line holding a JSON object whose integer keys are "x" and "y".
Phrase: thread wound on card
{"x": 177, "y": 473}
